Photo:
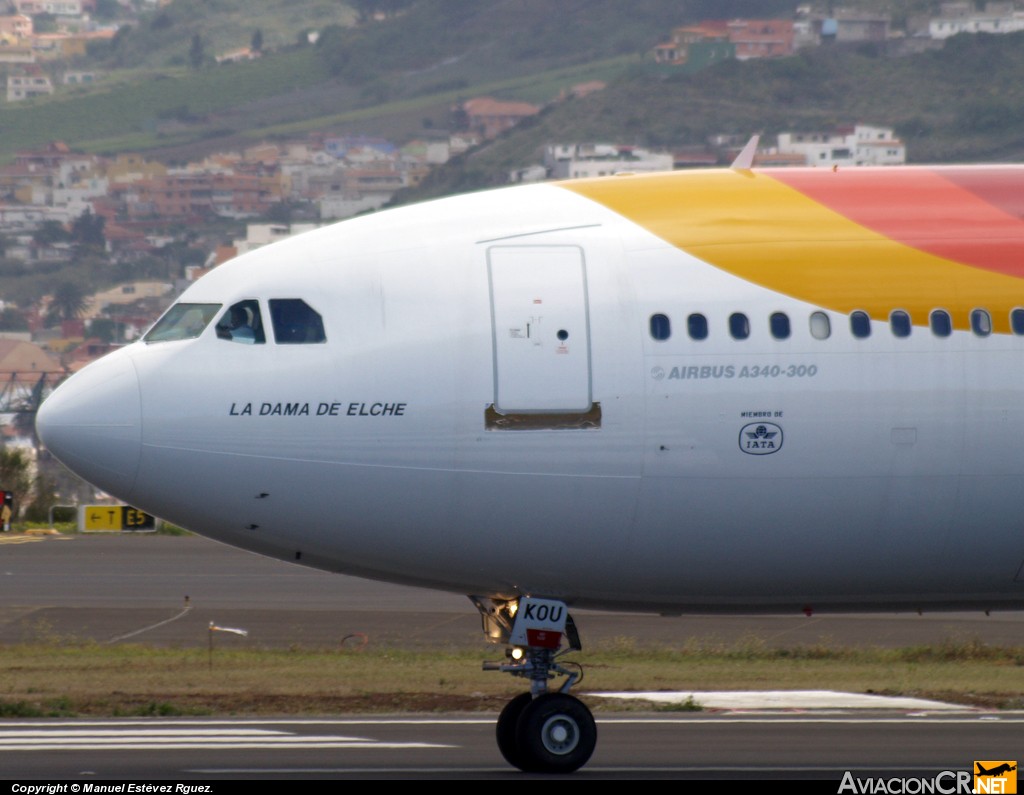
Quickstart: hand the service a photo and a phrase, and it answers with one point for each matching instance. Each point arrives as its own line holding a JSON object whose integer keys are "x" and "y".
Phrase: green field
{"x": 286, "y": 95}
{"x": 129, "y": 115}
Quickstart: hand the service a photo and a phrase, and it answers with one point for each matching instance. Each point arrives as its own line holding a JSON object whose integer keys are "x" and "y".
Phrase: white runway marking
{"x": 169, "y": 735}
{"x": 139, "y": 736}
{"x": 785, "y": 699}
{"x": 837, "y": 716}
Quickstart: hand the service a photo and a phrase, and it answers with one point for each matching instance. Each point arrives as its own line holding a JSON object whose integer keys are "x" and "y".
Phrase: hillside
{"x": 412, "y": 65}
{"x": 162, "y": 36}
{"x": 962, "y": 103}
{"x": 399, "y": 76}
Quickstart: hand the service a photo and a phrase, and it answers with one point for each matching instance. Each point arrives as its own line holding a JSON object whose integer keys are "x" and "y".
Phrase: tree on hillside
{"x": 178, "y": 254}
{"x": 116, "y": 48}
{"x": 51, "y": 232}
{"x": 44, "y": 497}
{"x": 68, "y": 301}
{"x": 256, "y": 44}
{"x": 15, "y": 475}
{"x": 103, "y": 328}
{"x": 196, "y": 51}
{"x": 87, "y": 231}
{"x": 13, "y": 319}
{"x": 333, "y": 49}
{"x": 44, "y": 22}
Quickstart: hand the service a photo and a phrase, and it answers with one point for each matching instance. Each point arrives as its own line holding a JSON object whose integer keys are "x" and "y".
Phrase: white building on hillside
{"x": 573, "y": 161}
{"x": 258, "y": 235}
{"x": 963, "y": 17}
{"x": 27, "y": 86}
{"x": 858, "y": 145}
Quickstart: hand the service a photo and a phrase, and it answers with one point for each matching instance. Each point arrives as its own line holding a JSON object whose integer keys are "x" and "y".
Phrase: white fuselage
{"x": 434, "y": 439}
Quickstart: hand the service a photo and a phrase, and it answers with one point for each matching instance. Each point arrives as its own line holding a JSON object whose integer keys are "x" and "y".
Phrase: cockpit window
{"x": 182, "y": 322}
{"x": 242, "y": 323}
{"x": 296, "y": 322}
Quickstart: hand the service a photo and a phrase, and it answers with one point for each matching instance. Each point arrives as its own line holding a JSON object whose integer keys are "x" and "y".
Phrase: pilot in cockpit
{"x": 241, "y": 323}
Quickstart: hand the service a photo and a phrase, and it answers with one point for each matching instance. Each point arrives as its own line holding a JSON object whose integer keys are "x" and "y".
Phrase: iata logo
{"x": 761, "y": 438}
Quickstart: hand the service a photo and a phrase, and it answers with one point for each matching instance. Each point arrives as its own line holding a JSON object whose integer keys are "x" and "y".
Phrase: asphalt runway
{"x": 758, "y": 747}
{"x": 103, "y": 588}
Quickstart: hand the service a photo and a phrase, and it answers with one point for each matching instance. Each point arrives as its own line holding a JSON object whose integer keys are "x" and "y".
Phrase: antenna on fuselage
{"x": 745, "y": 159}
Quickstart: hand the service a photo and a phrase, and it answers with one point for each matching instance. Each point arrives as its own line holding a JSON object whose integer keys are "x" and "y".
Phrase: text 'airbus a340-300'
{"x": 732, "y": 390}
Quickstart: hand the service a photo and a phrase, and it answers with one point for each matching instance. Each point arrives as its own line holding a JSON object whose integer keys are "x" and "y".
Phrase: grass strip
{"x": 66, "y": 679}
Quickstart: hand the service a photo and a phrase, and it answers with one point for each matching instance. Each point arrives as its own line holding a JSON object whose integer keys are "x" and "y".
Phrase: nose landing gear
{"x": 540, "y": 731}
{"x": 554, "y": 733}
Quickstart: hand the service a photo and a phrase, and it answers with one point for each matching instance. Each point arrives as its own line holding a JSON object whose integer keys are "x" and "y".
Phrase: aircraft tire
{"x": 556, "y": 733}
{"x": 508, "y": 722}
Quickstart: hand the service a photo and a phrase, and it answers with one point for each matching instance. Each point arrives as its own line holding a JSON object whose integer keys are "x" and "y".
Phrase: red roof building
{"x": 491, "y": 117}
{"x": 761, "y": 38}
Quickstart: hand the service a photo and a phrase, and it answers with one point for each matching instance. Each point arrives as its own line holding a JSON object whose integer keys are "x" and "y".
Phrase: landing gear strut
{"x": 540, "y": 731}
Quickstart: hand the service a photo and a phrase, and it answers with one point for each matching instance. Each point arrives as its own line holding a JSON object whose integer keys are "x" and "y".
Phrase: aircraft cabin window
{"x": 739, "y": 326}
{"x": 981, "y": 322}
{"x": 242, "y": 323}
{"x": 182, "y": 322}
{"x": 1017, "y": 321}
{"x": 860, "y": 324}
{"x": 942, "y": 325}
{"x": 661, "y": 327}
{"x": 296, "y": 322}
{"x": 899, "y": 321}
{"x": 778, "y": 322}
{"x": 821, "y": 326}
{"x": 697, "y": 326}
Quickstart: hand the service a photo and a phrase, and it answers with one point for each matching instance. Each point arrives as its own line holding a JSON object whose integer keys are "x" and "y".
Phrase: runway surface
{"x": 102, "y": 588}
{"x": 453, "y": 746}
{"x": 99, "y": 588}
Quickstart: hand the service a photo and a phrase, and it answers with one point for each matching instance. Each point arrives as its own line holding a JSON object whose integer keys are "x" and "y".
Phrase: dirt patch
{"x": 282, "y": 704}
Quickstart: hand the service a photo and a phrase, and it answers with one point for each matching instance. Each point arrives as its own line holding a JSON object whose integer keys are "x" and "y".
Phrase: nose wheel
{"x": 556, "y": 733}
{"x": 508, "y": 724}
{"x": 540, "y": 731}
{"x": 553, "y": 733}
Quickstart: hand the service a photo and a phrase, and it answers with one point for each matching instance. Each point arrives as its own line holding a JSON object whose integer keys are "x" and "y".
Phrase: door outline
{"x": 571, "y": 377}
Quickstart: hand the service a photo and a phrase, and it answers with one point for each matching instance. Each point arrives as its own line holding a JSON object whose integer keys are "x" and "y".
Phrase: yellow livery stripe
{"x": 761, "y": 229}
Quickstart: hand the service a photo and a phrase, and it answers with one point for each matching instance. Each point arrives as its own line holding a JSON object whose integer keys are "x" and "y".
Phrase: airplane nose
{"x": 93, "y": 424}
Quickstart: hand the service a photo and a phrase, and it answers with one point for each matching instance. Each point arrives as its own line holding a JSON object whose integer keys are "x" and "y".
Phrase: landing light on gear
{"x": 539, "y": 731}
